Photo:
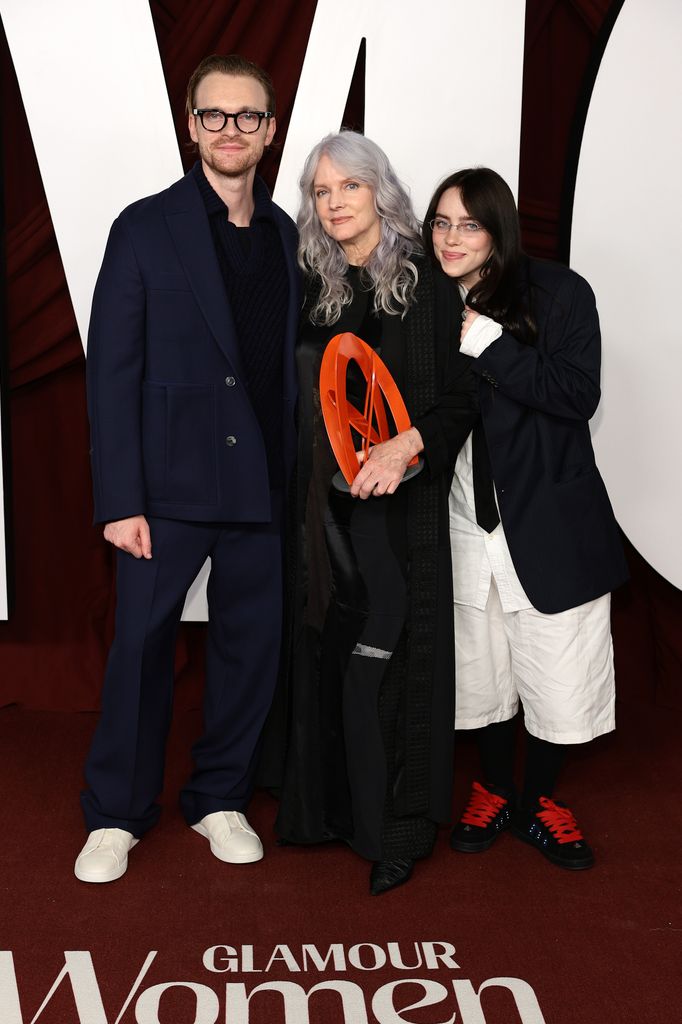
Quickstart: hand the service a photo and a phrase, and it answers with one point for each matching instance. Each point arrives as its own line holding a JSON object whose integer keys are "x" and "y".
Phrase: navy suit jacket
{"x": 536, "y": 401}
{"x": 173, "y": 431}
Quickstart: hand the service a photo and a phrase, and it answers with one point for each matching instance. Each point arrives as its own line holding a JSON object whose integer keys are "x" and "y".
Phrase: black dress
{"x": 369, "y": 755}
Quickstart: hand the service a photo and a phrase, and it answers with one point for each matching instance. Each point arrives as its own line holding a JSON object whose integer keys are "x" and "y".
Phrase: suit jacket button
{"x": 230, "y": 440}
{"x": 230, "y": 381}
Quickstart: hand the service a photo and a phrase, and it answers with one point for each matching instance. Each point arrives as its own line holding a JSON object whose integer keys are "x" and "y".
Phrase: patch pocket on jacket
{"x": 191, "y": 476}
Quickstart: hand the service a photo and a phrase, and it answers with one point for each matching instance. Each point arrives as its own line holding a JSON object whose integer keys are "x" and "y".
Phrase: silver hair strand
{"x": 390, "y": 268}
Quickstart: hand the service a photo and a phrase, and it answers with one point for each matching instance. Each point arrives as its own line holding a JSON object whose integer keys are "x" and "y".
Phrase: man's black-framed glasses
{"x": 247, "y": 121}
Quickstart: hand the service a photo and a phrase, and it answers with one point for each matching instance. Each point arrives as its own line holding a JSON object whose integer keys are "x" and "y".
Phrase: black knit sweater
{"x": 252, "y": 264}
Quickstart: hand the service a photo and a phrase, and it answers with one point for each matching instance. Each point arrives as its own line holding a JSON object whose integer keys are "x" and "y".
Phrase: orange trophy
{"x": 342, "y": 420}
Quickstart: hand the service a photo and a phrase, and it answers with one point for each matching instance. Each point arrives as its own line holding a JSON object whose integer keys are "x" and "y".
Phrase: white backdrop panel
{"x": 625, "y": 240}
{"x": 453, "y": 63}
{"x": 95, "y": 96}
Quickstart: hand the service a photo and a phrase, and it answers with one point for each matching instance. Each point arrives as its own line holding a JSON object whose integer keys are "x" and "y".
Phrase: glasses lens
{"x": 213, "y": 120}
{"x": 248, "y": 121}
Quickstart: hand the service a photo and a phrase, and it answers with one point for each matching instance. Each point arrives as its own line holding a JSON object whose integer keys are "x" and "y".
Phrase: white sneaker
{"x": 231, "y": 837}
{"x": 104, "y": 858}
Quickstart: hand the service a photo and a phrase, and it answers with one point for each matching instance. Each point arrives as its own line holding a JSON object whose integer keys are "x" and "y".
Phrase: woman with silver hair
{"x": 370, "y": 756}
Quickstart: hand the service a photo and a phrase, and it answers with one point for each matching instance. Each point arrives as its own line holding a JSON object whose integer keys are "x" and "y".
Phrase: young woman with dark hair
{"x": 535, "y": 547}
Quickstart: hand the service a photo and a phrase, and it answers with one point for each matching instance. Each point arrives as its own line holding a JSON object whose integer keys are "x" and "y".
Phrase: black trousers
{"x": 365, "y": 629}
{"x": 124, "y": 769}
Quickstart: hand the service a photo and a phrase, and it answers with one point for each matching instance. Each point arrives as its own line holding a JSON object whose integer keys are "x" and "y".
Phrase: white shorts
{"x": 560, "y": 667}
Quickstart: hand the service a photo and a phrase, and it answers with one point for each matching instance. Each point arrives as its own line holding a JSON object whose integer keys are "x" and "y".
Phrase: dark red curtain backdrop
{"x": 52, "y": 651}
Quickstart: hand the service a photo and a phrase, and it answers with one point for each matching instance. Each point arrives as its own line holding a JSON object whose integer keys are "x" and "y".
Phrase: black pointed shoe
{"x": 550, "y": 826}
{"x": 487, "y": 814}
{"x": 387, "y": 874}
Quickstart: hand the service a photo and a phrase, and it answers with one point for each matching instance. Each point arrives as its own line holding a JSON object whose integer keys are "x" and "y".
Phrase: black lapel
{"x": 294, "y": 310}
{"x": 188, "y": 224}
{"x": 420, "y": 344}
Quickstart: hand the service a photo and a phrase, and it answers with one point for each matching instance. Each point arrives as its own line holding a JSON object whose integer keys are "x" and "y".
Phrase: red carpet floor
{"x": 593, "y": 947}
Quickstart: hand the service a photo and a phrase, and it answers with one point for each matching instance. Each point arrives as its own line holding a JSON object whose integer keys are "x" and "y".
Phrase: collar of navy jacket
{"x": 190, "y": 230}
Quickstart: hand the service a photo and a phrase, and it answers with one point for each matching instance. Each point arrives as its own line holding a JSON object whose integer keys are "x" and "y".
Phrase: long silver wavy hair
{"x": 390, "y": 268}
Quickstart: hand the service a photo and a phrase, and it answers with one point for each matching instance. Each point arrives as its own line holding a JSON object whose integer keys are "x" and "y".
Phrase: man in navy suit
{"x": 191, "y": 392}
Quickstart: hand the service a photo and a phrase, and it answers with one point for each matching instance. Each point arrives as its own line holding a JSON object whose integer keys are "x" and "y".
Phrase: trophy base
{"x": 339, "y": 482}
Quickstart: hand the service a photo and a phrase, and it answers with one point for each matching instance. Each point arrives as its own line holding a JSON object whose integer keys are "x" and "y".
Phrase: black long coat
{"x": 438, "y": 389}
{"x": 536, "y": 401}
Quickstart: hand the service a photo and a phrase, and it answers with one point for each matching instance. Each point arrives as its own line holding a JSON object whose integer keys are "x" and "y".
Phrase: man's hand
{"x": 386, "y": 465}
{"x": 131, "y": 535}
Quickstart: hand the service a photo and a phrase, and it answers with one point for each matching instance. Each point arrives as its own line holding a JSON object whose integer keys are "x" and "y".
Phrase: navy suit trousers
{"x": 124, "y": 770}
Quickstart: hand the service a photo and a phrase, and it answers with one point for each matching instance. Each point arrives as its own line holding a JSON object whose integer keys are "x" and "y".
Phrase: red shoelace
{"x": 559, "y": 821}
{"x": 482, "y": 806}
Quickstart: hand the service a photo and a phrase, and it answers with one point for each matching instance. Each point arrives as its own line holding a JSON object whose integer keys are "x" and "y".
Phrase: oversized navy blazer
{"x": 536, "y": 401}
{"x": 173, "y": 431}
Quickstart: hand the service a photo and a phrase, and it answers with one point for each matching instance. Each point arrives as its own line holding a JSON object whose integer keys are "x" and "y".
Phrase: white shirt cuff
{"x": 483, "y": 332}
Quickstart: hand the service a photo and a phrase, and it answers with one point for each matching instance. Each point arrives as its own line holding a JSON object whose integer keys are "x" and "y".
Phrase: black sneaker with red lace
{"x": 551, "y": 827}
{"x": 487, "y": 814}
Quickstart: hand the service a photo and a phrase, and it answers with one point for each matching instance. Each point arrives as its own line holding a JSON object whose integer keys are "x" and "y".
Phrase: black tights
{"x": 496, "y": 745}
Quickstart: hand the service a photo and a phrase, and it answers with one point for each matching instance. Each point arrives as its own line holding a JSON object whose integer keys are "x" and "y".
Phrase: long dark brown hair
{"x": 502, "y": 293}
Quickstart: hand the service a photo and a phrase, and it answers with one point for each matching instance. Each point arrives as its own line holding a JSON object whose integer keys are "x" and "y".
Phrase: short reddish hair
{"x": 230, "y": 64}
